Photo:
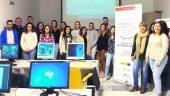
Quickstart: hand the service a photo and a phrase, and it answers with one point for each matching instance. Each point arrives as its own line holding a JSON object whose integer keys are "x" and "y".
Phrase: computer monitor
{"x": 9, "y": 51}
{"x": 45, "y": 50}
{"x": 49, "y": 74}
{"x": 5, "y": 76}
{"x": 75, "y": 51}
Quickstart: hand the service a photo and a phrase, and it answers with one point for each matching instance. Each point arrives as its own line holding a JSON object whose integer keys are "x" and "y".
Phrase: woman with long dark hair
{"x": 66, "y": 38}
{"x": 40, "y": 28}
{"x": 110, "y": 51}
{"x": 156, "y": 54}
{"x": 102, "y": 46}
{"x": 29, "y": 42}
{"x": 56, "y": 32}
{"x": 46, "y": 36}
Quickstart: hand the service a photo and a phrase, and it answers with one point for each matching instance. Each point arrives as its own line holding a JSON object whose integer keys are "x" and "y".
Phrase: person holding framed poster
{"x": 46, "y": 45}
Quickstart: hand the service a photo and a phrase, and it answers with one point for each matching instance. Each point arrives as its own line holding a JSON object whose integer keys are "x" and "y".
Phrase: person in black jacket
{"x": 56, "y": 33}
{"x": 102, "y": 46}
{"x": 18, "y": 27}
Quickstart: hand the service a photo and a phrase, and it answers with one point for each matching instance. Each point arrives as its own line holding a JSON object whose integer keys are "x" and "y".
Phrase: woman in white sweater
{"x": 156, "y": 54}
{"x": 64, "y": 39}
{"x": 29, "y": 42}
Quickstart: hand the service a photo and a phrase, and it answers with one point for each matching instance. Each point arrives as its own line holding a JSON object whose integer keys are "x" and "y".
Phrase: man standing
{"x": 9, "y": 35}
{"x": 18, "y": 27}
{"x": 30, "y": 20}
{"x": 92, "y": 37}
{"x": 106, "y": 22}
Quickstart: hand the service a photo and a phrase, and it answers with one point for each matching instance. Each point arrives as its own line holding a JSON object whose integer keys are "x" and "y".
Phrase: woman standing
{"x": 40, "y": 28}
{"x": 56, "y": 33}
{"x": 47, "y": 36}
{"x": 62, "y": 26}
{"x": 76, "y": 33}
{"x": 102, "y": 46}
{"x": 29, "y": 42}
{"x": 83, "y": 33}
{"x": 66, "y": 38}
{"x": 138, "y": 56}
{"x": 110, "y": 51}
{"x": 156, "y": 54}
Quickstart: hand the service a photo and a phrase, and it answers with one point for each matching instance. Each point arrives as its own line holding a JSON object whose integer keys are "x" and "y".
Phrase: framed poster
{"x": 46, "y": 50}
{"x": 9, "y": 51}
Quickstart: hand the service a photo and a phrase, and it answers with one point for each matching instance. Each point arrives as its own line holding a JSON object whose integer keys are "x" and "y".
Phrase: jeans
{"x": 93, "y": 52}
{"x": 29, "y": 55}
{"x": 137, "y": 65}
{"x": 109, "y": 57}
{"x": 157, "y": 71}
{"x": 88, "y": 57}
{"x": 56, "y": 51}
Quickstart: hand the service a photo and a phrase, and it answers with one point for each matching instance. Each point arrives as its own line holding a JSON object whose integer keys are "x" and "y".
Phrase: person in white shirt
{"x": 92, "y": 37}
{"x": 156, "y": 53}
{"x": 29, "y": 42}
{"x": 9, "y": 35}
{"x": 64, "y": 39}
{"x": 76, "y": 33}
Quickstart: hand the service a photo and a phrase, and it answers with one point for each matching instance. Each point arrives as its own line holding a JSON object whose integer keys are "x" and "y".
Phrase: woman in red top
{"x": 47, "y": 36}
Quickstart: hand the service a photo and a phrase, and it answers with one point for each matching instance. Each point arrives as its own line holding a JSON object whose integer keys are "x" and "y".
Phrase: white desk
{"x": 37, "y": 92}
{"x": 73, "y": 64}
{"x": 24, "y": 65}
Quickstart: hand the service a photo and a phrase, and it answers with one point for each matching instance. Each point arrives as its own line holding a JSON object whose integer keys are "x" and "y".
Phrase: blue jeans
{"x": 157, "y": 71}
{"x": 88, "y": 57}
{"x": 29, "y": 55}
{"x": 109, "y": 57}
{"x": 137, "y": 65}
{"x": 56, "y": 51}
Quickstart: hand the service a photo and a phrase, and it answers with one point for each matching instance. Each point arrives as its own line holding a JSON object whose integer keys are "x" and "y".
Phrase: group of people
{"x": 97, "y": 41}
{"x": 151, "y": 48}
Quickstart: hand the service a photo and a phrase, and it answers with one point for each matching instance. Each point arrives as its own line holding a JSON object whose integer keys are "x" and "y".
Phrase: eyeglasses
{"x": 10, "y": 24}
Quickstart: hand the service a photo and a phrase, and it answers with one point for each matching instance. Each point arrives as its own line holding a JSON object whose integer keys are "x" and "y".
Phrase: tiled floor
{"x": 111, "y": 88}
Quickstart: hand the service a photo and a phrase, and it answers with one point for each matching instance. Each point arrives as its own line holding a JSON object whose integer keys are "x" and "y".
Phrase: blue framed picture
{"x": 75, "y": 51}
{"x": 46, "y": 50}
{"x": 9, "y": 51}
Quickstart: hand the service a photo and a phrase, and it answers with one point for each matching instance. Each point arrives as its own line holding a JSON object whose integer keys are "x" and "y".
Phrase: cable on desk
{"x": 69, "y": 93}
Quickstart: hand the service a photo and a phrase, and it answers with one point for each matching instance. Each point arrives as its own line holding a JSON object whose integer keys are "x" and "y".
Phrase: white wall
{"x": 46, "y": 10}
{"x": 22, "y": 8}
{"x": 162, "y": 5}
{"x": 49, "y": 10}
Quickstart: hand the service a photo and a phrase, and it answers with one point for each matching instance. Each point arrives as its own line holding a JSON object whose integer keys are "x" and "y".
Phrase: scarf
{"x": 140, "y": 43}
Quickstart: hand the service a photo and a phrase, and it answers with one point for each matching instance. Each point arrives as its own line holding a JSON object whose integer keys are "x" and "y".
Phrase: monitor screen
{"x": 75, "y": 51}
{"x": 49, "y": 74}
{"x": 5, "y": 74}
{"x": 9, "y": 51}
{"x": 46, "y": 50}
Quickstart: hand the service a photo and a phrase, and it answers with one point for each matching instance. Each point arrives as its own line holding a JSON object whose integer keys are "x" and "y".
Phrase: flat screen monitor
{"x": 75, "y": 51}
{"x": 49, "y": 74}
{"x": 5, "y": 76}
{"x": 45, "y": 50}
{"x": 9, "y": 51}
